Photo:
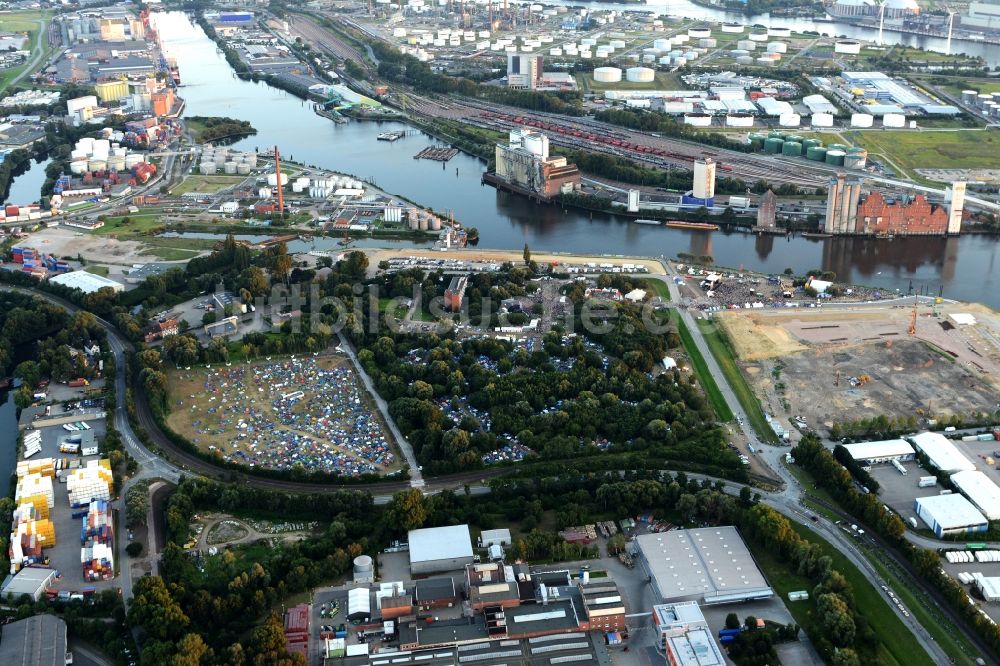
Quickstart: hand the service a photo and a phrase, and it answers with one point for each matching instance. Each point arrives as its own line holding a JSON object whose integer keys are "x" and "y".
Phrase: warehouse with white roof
{"x": 86, "y": 282}
{"x": 437, "y": 549}
{"x": 941, "y": 453}
{"x": 950, "y": 514}
{"x": 979, "y": 490}
{"x": 873, "y": 453}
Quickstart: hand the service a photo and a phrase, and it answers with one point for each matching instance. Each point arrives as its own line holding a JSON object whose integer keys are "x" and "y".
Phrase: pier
{"x": 437, "y": 153}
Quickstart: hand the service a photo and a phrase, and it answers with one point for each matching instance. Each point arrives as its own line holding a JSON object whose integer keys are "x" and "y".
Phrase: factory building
{"x": 874, "y": 453}
{"x": 941, "y": 453}
{"x": 980, "y": 490}
{"x": 525, "y": 163}
{"x": 950, "y": 514}
{"x": 86, "y": 282}
{"x": 111, "y": 91}
{"x": 902, "y": 216}
{"x": 956, "y": 207}
{"x": 680, "y": 566}
{"x": 524, "y": 71}
{"x": 684, "y": 635}
{"x": 767, "y": 211}
{"x": 842, "y": 204}
{"x": 455, "y": 292}
{"x": 438, "y": 549}
{"x": 30, "y": 581}
{"x": 35, "y": 641}
{"x": 985, "y": 14}
{"x": 602, "y": 602}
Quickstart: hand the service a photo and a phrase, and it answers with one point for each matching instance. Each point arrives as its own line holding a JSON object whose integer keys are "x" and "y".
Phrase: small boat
{"x": 345, "y": 241}
{"x": 641, "y": 221}
{"x": 700, "y": 226}
{"x": 814, "y": 234}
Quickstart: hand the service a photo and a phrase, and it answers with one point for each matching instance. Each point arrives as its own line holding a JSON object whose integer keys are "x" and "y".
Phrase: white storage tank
{"x": 272, "y": 179}
{"x": 738, "y": 53}
{"x": 862, "y": 120}
{"x": 363, "y": 565}
{"x": 207, "y": 168}
{"x": 698, "y": 119}
{"x": 699, "y": 33}
{"x": 708, "y": 42}
{"x": 243, "y": 169}
{"x": 664, "y": 60}
{"x": 758, "y": 36}
{"x": 848, "y": 46}
{"x": 677, "y": 40}
{"x": 555, "y": 52}
{"x": 893, "y": 120}
{"x": 619, "y": 44}
{"x": 789, "y": 120}
{"x": 229, "y": 168}
{"x": 607, "y": 74}
{"x": 746, "y": 45}
{"x": 640, "y": 74}
{"x": 649, "y": 59}
{"x": 132, "y": 159}
{"x": 822, "y": 120}
{"x": 734, "y": 28}
{"x": 779, "y": 32}
{"x": 434, "y": 224}
{"x": 739, "y": 120}
{"x": 653, "y": 52}
{"x": 78, "y": 167}
{"x": 588, "y": 41}
{"x": 744, "y": 60}
{"x": 662, "y": 44}
{"x": 97, "y": 165}
{"x": 297, "y": 187}
{"x": 777, "y": 47}
{"x": 116, "y": 163}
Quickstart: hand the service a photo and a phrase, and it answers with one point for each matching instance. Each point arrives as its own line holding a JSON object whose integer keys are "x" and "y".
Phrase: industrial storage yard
{"x": 294, "y": 412}
{"x": 837, "y": 364}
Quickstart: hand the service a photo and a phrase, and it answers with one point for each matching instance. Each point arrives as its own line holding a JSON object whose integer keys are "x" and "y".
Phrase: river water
{"x": 27, "y": 187}
{"x": 960, "y": 267}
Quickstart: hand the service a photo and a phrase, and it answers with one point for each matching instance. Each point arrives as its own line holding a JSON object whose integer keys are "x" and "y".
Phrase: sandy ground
{"x": 69, "y": 242}
{"x": 377, "y": 255}
{"x": 941, "y": 370}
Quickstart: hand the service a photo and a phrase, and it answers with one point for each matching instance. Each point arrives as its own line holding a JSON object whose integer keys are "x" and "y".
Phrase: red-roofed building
{"x": 297, "y": 629}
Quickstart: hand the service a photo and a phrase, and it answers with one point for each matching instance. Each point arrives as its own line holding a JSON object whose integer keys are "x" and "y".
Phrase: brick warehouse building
{"x": 914, "y": 216}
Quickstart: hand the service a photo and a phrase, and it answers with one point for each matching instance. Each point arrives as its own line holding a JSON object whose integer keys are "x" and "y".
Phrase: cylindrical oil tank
{"x": 779, "y": 32}
{"x": 777, "y": 47}
{"x": 835, "y": 157}
{"x": 768, "y": 62}
{"x": 116, "y": 163}
{"x": 739, "y": 120}
{"x": 708, "y": 42}
{"x": 809, "y": 143}
{"x": 607, "y": 74}
{"x": 229, "y": 168}
{"x": 776, "y": 134}
{"x": 272, "y": 179}
{"x": 78, "y": 168}
{"x": 251, "y": 159}
{"x": 739, "y": 53}
{"x": 414, "y": 221}
{"x": 855, "y": 161}
{"x": 97, "y": 165}
{"x": 791, "y": 149}
{"x": 744, "y": 60}
{"x": 649, "y": 59}
{"x": 773, "y": 145}
{"x": 734, "y": 28}
{"x": 698, "y": 119}
{"x": 434, "y": 224}
{"x": 746, "y": 44}
{"x": 662, "y": 44}
{"x": 424, "y": 224}
{"x": 297, "y": 187}
{"x": 700, "y": 32}
{"x": 838, "y": 146}
{"x": 862, "y": 120}
{"x": 969, "y": 96}
{"x": 132, "y": 159}
{"x": 822, "y": 120}
{"x": 207, "y": 168}
{"x": 758, "y": 36}
{"x": 243, "y": 169}
{"x": 756, "y": 140}
{"x": 789, "y": 120}
{"x": 794, "y": 137}
{"x": 363, "y": 564}
{"x": 816, "y": 153}
{"x": 640, "y": 74}
{"x": 847, "y": 46}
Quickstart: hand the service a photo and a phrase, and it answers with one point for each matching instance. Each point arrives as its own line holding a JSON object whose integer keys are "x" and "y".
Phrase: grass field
{"x": 898, "y": 644}
{"x": 700, "y": 367}
{"x": 932, "y": 150}
{"x": 136, "y": 224}
{"x": 658, "y": 287}
{"x": 207, "y": 184}
{"x": 25, "y": 22}
{"x": 724, "y": 357}
{"x": 97, "y": 270}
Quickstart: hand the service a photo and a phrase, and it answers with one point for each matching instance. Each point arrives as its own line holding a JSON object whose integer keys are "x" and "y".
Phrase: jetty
{"x": 436, "y": 153}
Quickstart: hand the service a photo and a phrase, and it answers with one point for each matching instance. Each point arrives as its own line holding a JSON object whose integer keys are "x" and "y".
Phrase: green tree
{"x": 732, "y": 621}
{"x": 191, "y": 651}
{"x": 407, "y": 510}
{"x": 156, "y": 611}
{"x": 134, "y": 549}
{"x": 29, "y": 372}
{"x": 526, "y": 254}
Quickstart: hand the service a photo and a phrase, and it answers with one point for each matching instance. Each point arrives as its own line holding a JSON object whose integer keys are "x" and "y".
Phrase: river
{"x": 958, "y": 267}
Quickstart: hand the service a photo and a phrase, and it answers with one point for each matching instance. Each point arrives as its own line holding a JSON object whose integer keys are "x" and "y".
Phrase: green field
{"x": 724, "y": 357}
{"x": 97, "y": 270}
{"x": 207, "y": 184}
{"x": 138, "y": 223}
{"x": 701, "y": 371}
{"x": 932, "y": 150}
{"x": 898, "y": 644}
{"x": 658, "y": 287}
{"x": 25, "y": 22}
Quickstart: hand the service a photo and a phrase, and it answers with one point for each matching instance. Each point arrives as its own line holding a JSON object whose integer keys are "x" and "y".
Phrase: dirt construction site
{"x": 837, "y": 364}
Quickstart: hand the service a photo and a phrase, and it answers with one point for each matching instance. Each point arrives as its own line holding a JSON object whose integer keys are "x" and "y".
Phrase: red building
{"x": 297, "y": 629}
{"x": 915, "y": 216}
{"x": 161, "y": 329}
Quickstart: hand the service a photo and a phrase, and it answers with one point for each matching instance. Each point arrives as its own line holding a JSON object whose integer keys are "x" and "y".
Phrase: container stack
{"x": 89, "y": 483}
{"x": 31, "y": 529}
{"x": 32, "y": 443}
{"x": 97, "y": 537}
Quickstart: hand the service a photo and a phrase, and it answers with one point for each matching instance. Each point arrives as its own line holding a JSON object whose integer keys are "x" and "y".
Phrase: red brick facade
{"x": 876, "y": 216}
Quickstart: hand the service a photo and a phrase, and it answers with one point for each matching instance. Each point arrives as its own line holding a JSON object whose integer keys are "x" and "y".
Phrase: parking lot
{"x": 65, "y": 555}
{"x": 899, "y": 492}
